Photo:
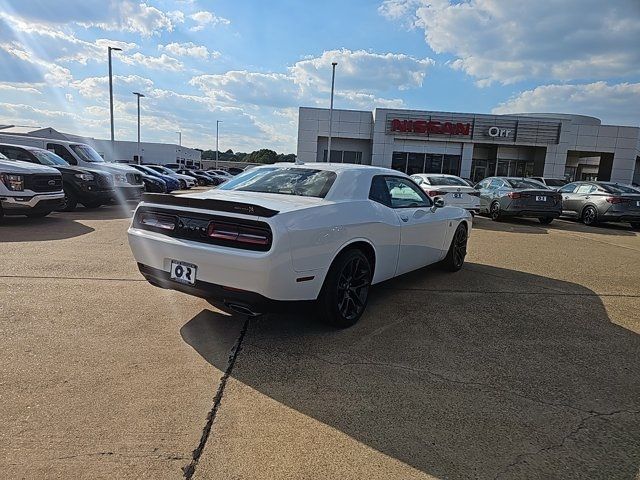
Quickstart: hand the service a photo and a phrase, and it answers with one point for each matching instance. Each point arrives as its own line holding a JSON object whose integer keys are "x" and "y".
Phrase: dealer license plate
{"x": 457, "y": 195}
{"x": 541, "y": 198}
{"x": 183, "y": 272}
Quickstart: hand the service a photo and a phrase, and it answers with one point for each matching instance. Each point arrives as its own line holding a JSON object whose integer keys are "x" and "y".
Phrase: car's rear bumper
{"x": 269, "y": 274}
{"x": 620, "y": 218}
{"x": 240, "y": 301}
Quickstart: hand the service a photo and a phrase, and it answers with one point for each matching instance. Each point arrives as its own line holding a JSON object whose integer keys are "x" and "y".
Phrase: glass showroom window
{"x": 343, "y": 156}
{"x": 412, "y": 163}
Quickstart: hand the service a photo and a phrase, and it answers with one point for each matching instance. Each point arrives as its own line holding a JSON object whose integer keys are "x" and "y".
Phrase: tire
{"x": 494, "y": 212}
{"x": 340, "y": 304}
{"x": 545, "y": 220}
{"x": 589, "y": 215}
{"x": 634, "y": 225}
{"x": 91, "y": 205}
{"x": 183, "y": 185}
{"x": 39, "y": 214}
{"x": 69, "y": 204}
{"x": 457, "y": 250}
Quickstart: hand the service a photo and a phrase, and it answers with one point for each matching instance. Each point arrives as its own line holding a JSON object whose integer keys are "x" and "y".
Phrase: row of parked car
{"x": 38, "y": 176}
{"x": 543, "y": 198}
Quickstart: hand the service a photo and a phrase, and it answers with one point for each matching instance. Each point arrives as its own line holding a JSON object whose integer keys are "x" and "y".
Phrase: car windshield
{"x": 615, "y": 188}
{"x": 87, "y": 154}
{"x": 554, "y": 182}
{"x": 305, "y": 182}
{"x": 45, "y": 157}
{"x": 522, "y": 183}
{"x": 447, "y": 181}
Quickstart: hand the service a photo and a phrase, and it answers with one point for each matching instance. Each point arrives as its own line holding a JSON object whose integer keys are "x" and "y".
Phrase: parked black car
{"x": 202, "y": 178}
{"x": 502, "y": 197}
{"x": 153, "y": 184}
{"x": 88, "y": 186}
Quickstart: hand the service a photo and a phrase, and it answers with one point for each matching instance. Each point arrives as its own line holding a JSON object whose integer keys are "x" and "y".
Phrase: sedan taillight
{"x": 436, "y": 193}
{"x": 161, "y": 222}
{"x": 615, "y": 200}
{"x": 515, "y": 195}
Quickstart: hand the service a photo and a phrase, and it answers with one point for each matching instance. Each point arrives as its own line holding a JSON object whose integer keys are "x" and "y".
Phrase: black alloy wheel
{"x": 589, "y": 216}
{"x": 457, "y": 250}
{"x": 69, "y": 203}
{"x": 183, "y": 184}
{"x": 495, "y": 211}
{"x": 346, "y": 290}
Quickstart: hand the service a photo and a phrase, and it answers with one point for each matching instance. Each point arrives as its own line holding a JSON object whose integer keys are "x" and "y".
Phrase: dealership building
{"x": 473, "y": 145}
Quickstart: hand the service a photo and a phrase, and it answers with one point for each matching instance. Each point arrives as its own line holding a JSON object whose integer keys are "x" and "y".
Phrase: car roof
{"x": 335, "y": 167}
{"x": 23, "y": 147}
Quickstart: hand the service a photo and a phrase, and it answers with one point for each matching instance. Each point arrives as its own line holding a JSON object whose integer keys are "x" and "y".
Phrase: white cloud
{"x": 130, "y": 16}
{"x": 163, "y": 62}
{"x": 204, "y": 18}
{"x": 618, "y": 104}
{"x": 96, "y": 87}
{"x": 54, "y": 74}
{"x": 189, "y": 49}
{"x": 506, "y": 42}
{"x": 20, "y": 87}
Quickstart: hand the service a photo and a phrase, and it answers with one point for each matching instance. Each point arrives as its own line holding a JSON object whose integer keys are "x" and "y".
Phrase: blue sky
{"x": 252, "y": 63}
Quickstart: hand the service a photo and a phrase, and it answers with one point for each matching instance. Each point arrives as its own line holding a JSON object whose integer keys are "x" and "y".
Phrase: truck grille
{"x": 43, "y": 183}
{"x": 134, "y": 178}
{"x": 104, "y": 180}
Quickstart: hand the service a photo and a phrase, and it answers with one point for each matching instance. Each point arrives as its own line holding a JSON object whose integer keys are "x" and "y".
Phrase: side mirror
{"x": 438, "y": 202}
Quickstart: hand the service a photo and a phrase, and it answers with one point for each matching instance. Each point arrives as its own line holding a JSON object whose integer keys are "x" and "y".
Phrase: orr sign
{"x": 423, "y": 127}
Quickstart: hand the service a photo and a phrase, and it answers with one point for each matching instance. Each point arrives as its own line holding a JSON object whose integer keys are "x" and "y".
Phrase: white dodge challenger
{"x": 296, "y": 232}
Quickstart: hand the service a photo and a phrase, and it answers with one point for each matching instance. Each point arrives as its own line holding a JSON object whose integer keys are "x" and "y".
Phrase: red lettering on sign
{"x": 432, "y": 127}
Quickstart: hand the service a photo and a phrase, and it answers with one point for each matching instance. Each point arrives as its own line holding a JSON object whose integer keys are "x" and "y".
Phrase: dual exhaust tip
{"x": 241, "y": 309}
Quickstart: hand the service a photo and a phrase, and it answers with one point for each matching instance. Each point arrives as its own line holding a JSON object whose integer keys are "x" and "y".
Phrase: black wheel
{"x": 545, "y": 220}
{"x": 494, "y": 211}
{"x": 69, "y": 203}
{"x": 91, "y": 205}
{"x": 589, "y": 216}
{"x": 346, "y": 289}
{"x": 39, "y": 214}
{"x": 634, "y": 225}
{"x": 457, "y": 250}
{"x": 183, "y": 185}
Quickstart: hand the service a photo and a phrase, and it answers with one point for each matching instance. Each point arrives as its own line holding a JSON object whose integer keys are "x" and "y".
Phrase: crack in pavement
{"x": 189, "y": 469}
{"x": 582, "y": 425}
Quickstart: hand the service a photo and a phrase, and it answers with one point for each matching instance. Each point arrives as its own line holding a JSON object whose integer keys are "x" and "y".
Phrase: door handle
{"x": 404, "y": 218}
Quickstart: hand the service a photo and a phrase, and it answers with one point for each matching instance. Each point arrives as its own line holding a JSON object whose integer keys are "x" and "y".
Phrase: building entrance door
{"x": 479, "y": 172}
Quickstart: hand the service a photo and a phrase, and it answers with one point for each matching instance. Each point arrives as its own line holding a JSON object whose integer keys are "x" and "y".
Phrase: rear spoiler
{"x": 208, "y": 204}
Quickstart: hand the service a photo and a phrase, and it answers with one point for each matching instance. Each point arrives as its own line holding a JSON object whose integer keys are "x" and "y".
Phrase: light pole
{"x": 110, "y": 49}
{"x": 333, "y": 79}
{"x": 218, "y": 122}
{"x": 139, "y": 95}
{"x": 179, "y": 138}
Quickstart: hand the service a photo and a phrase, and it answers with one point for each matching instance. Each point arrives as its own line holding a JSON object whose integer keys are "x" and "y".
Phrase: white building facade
{"x": 474, "y": 146}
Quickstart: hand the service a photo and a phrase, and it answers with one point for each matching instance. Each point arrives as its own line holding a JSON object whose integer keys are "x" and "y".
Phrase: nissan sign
{"x": 424, "y": 127}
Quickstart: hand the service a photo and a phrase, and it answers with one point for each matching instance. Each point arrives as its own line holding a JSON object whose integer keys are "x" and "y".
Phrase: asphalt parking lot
{"x": 523, "y": 365}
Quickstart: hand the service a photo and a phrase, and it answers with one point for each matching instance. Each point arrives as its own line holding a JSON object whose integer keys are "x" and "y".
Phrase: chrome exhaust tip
{"x": 242, "y": 309}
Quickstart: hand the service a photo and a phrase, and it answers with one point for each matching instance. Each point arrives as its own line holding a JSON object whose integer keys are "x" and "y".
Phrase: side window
{"x": 378, "y": 191}
{"x": 62, "y": 151}
{"x": 496, "y": 183}
{"x": 418, "y": 180}
{"x": 482, "y": 184}
{"x": 569, "y": 188}
{"x": 584, "y": 189}
{"x": 405, "y": 194}
{"x": 17, "y": 154}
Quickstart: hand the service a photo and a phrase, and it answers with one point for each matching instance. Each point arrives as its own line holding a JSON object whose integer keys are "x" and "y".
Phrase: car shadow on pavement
{"x": 106, "y": 212}
{"x": 532, "y": 225}
{"x": 487, "y": 373}
{"x": 52, "y": 227}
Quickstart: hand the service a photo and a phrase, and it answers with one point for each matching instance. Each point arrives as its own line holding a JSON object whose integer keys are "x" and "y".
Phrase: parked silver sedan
{"x": 518, "y": 197}
{"x": 594, "y": 202}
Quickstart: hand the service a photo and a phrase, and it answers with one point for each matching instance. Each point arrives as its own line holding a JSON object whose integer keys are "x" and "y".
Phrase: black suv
{"x": 83, "y": 185}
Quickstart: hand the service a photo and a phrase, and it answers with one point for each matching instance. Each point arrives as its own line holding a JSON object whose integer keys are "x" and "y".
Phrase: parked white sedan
{"x": 292, "y": 232}
{"x": 453, "y": 190}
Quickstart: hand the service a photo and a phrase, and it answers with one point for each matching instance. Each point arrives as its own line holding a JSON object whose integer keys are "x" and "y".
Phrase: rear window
{"x": 555, "y": 182}
{"x": 522, "y": 183}
{"x": 304, "y": 182}
{"x": 618, "y": 188}
{"x": 447, "y": 181}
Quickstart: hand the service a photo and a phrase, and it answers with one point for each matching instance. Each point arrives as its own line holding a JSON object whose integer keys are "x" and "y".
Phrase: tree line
{"x": 263, "y": 155}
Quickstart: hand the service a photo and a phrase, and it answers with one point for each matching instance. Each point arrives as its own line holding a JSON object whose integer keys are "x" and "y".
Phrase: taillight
{"x": 237, "y": 233}
{"x": 515, "y": 195}
{"x": 618, "y": 200}
{"x": 154, "y": 220}
{"x": 436, "y": 193}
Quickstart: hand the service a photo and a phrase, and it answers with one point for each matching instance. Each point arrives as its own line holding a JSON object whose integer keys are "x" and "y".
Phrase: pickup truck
{"x": 29, "y": 189}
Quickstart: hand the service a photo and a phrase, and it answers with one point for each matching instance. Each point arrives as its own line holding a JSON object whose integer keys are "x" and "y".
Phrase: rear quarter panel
{"x": 318, "y": 234}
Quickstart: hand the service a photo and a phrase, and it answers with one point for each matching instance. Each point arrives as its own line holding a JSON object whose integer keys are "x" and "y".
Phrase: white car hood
{"x": 16, "y": 166}
{"x": 273, "y": 201}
